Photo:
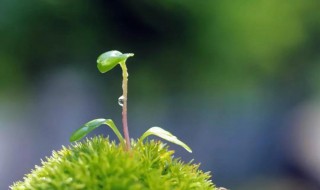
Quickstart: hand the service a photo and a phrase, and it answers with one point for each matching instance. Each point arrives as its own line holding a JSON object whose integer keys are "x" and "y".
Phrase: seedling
{"x": 98, "y": 163}
{"x": 106, "y": 62}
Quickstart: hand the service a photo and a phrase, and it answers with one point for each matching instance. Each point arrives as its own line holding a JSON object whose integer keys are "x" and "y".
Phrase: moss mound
{"x": 100, "y": 164}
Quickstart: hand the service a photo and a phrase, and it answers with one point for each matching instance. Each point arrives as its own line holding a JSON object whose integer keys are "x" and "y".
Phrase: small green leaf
{"x": 157, "y": 131}
{"x": 110, "y": 59}
{"x": 85, "y": 129}
{"x": 91, "y": 125}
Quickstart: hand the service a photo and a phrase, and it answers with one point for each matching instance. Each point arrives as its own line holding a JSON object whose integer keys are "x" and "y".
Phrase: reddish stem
{"x": 125, "y": 106}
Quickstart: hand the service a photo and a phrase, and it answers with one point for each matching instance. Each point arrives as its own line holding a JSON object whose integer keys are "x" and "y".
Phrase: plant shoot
{"x": 106, "y": 62}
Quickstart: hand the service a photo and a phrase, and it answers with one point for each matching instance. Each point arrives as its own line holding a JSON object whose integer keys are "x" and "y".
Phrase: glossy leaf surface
{"x": 86, "y": 128}
{"x": 110, "y": 59}
{"x": 157, "y": 131}
{"x": 91, "y": 125}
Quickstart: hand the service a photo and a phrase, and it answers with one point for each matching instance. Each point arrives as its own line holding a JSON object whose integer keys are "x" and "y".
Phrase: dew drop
{"x": 120, "y": 100}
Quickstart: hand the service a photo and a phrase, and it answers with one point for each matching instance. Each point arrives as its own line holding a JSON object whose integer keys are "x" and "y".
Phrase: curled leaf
{"x": 157, "y": 131}
{"x": 110, "y": 59}
{"x": 91, "y": 125}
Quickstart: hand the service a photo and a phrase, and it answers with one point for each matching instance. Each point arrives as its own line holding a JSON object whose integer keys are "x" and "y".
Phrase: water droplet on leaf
{"x": 120, "y": 100}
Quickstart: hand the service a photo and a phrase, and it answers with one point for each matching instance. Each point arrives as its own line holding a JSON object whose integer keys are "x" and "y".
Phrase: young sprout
{"x": 106, "y": 62}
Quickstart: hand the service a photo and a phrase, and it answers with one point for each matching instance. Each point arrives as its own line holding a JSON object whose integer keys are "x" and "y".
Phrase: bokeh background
{"x": 239, "y": 81}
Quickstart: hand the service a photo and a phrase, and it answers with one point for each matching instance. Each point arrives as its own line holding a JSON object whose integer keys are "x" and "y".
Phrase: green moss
{"x": 101, "y": 164}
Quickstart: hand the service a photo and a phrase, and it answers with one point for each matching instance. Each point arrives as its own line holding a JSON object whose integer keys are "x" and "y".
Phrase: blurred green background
{"x": 239, "y": 81}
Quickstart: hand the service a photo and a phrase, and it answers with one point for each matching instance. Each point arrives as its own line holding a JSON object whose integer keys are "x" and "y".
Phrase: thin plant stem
{"x": 125, "y": 106}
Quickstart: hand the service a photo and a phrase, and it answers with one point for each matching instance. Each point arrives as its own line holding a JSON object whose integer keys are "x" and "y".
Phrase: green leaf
{"x": 110, "y": 59}
{"x": 157, "y": 131}
{"x": 91, "y": 125}
{"x": 86, "y": 128}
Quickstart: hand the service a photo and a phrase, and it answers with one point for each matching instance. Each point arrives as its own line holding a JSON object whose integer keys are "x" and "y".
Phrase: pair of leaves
{"x": 106, "y": 62}
{"x": 110, "y": 59}
{"x": 157, "y": 131}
